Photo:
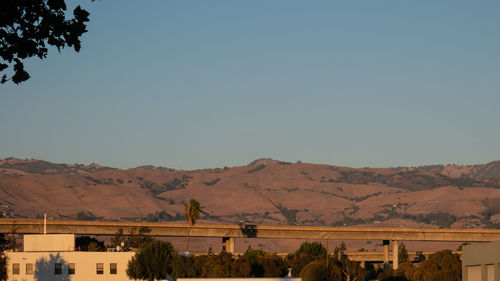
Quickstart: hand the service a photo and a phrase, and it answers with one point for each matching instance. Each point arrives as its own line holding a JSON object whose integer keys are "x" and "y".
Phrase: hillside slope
{"x": 263, "y": 192}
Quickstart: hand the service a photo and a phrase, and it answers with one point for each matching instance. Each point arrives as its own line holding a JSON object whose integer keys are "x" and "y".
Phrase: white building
{"x": 52, "y": 257}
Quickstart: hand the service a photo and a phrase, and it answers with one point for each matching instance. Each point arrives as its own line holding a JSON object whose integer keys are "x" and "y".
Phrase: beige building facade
{"x": 481, "y": 262}
{"x": 39, "y": 263}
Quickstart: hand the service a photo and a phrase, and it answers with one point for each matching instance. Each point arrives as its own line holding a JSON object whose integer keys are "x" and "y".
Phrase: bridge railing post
{"x": 386, "y": 252}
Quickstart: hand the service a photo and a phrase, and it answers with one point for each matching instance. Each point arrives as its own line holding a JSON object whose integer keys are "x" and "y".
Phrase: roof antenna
{"x": 44, "y": 223}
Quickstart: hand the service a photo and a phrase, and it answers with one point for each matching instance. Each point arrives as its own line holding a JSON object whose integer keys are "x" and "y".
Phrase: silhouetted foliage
{"x": 419, "y": 257}
{"x": 184, "y": 267}
{"x": 241, "y": 268}
{"x": 406, "y": 270}
{"x": 442, "y": 265}
{"x": 402, "y": 253}
{"x": 87, "y": 243}
{"x": 352, "y": 270}
{"x": 135, "y": 238}
{"x": 3, "y": 267}
{"x": 312, "y": 248}
{"x": 12, "y": 242}
{"x": 218, "y": 266}
{"x": 298, "y": 262}
{"x": 152, "y": 261}
{"x": 273, "y": 265}
{"x": 253, "y": 256}
{"x": 315, "y": 271}
{"x": 117, "y": 239}
{"x": 27, "y": 27}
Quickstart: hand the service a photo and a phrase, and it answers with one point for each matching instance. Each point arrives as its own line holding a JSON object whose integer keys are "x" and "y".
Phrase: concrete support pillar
{"x": 386, "y": 252}
{"x": 497, "y": 271}
{"x": 228, "y": 244}
{"x": 395, "y": 254}
{"x": 484, "y": 273}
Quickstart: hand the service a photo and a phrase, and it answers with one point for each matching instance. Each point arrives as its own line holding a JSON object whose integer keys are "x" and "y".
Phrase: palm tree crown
{"x": 192, "y": 215}
{"x": 192, "y": 211}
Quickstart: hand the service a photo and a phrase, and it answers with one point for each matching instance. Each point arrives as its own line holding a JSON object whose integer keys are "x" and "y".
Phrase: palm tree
{"x": 192, "y": 215}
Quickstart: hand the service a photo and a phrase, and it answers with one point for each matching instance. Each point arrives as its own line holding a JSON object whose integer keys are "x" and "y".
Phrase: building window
{"x": 15, "y": 268}
{"x": 71, "y": 268}
{"x": 29, "y": 269}
{"x": 58, "y": 268}
{"x": 99, "y": 268}
{"x": 112, "y": 268}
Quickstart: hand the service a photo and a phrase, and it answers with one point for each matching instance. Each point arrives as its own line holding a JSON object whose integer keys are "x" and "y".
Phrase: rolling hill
{"x": 264, "y": 192}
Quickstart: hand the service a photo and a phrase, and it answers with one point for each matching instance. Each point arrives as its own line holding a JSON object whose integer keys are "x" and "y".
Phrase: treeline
{"x": 310, "y": 262}
{"x": 156, "y": 259}
{"x": 442, "y": 265}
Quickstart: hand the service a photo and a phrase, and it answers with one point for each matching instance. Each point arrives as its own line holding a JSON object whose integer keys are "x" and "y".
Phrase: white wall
{"x": 85, "y": 265}
{"x": 49, "y": 242}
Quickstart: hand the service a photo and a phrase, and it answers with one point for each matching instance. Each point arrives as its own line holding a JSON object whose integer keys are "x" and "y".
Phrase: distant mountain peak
{"x": 36, "y": 166}
{"x": 264, "y": 161}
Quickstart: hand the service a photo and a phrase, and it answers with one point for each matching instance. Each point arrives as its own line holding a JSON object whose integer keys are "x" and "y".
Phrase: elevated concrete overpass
{"x": 34, "y": 226}
{"x": 229, "y": 232}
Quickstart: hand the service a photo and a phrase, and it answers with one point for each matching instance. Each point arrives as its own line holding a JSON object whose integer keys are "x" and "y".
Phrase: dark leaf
{"x": 57, "y": 5}
{"x": 20, "y": 75}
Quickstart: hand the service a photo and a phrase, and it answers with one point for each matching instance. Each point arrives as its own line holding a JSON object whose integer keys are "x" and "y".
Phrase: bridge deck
{"x": 34, "y": 226}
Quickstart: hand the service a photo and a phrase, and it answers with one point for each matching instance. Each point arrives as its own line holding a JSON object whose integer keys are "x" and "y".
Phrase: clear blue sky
{"x": 200, "y": 84}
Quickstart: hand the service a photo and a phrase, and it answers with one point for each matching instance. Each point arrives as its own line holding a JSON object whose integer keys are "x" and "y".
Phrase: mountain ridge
{"x": 266, "y": 191}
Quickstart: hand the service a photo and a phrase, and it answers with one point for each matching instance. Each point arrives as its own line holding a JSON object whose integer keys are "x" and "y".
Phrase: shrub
{"x": 315, "y": 271}
{"x": 152, "y": 261}
{"x": 210, "y": 183}
{"x": 241, "y": 268}
{"x": 260, "y": 167}
{"x": 312, "y": 248}
{"x": 273, "y": 266}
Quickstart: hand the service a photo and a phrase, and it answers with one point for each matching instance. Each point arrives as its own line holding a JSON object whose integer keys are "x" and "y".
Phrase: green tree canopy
{"x": 273, "y": 265}
{"x": 312, "y": 248}
{"x": 241, "y": 268}
{"x": 315, "y": 271}
{"x": 442, "y": 265}
{"x": 152, "y": 261}
{"x": 188, "y": 266}
{"x": 218, "y": 266}
{"x": 253, "y": 256}
{"x": 28, "y": 27}
{"x": 402, "y": 253}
